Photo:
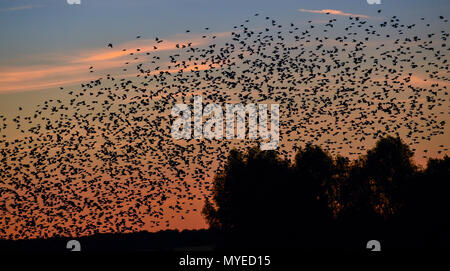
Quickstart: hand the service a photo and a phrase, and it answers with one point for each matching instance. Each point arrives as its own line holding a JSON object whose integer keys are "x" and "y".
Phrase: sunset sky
{"x": 47, "y": 44}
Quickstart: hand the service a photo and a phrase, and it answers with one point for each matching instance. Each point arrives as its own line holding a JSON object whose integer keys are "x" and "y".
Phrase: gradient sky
{"x": 46, "y": 44}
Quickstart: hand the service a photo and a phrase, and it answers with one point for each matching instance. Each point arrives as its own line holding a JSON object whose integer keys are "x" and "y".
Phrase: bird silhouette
{"x": 102, "y": 159}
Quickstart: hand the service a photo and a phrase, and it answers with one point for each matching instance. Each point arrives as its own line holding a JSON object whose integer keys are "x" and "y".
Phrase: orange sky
{"x": 31, "y": 85}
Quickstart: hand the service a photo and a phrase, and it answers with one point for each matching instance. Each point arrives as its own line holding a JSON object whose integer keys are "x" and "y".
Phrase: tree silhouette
{"x": 259, "y": 194}
{"x": 247, "y": 194}
{"x": 314, "y": 169}
{"x": 427, "y": 203}
{"x": 388, "y": 167}
{"x": 322, "y": 201}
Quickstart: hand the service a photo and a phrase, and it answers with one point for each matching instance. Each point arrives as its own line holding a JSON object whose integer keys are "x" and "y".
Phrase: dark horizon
{"x": 343, "y": 204}
{"x": 119, "y": 126}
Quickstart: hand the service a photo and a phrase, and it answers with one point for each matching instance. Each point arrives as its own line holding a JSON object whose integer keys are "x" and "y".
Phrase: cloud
{"x": 145, "y": 46}
{"x": 74, "y": 67}
{"x": 418, "y": 81}
{"x": 333, "y": 12}
{"x": 20, "y": 7}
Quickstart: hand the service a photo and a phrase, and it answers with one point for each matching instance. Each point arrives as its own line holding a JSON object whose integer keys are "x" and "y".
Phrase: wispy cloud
{"x": 333, "y": 12}
{"x": 144, "y": 45}
{"x": 73, "y": 67}
{"x": 24, "y": 7}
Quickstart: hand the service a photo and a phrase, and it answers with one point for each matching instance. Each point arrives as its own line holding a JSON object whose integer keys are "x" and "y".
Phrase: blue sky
{"x": 32, "y": 26}
{"x": 36, "y": 33}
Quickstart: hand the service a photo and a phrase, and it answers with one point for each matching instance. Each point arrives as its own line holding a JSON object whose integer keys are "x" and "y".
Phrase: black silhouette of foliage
{"x": 325, "y": 201}
{"x": 246, "y": 193}
{"x": 388, "y": 168}
{"x": 318, "y": 201}
{"x": 314, "y": 170}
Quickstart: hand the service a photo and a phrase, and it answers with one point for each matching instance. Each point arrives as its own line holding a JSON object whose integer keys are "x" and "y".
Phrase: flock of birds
{"x": 102, "y": 158}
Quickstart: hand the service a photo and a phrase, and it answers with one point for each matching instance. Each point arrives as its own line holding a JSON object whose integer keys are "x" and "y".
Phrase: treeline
{"x": 167, "y": 240}
{"x": 320, "y": 201}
